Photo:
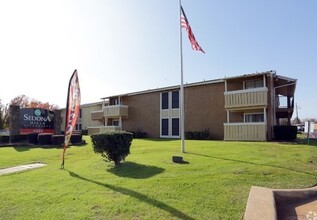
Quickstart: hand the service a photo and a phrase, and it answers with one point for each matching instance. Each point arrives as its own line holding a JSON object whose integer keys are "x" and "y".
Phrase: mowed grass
{"x": 213, "y": 183}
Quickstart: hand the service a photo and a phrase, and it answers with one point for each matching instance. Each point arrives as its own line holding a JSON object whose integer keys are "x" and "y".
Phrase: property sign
{"x": 36, "y": 120}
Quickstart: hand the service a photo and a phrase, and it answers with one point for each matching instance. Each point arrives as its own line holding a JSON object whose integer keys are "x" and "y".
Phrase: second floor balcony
{"x": 246, "y": 98}
{"x": 114, "y": 111}
{"x": 111, "y": 111}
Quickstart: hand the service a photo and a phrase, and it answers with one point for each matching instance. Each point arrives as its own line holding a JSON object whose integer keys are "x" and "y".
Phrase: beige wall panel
{"x": 204, "y": 108}
{"x": 144, "y": 113}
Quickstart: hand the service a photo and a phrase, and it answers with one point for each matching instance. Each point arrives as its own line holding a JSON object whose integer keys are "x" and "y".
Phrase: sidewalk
{"x": 21, "y": 168}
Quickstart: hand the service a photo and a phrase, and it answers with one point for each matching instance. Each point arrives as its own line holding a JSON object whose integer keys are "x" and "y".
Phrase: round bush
{"x": 114, "y": 146}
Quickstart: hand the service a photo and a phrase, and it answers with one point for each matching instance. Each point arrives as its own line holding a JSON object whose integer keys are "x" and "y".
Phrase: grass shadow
{"x": 252, "y": 163}
{"x": 141, "y": 197}
{"x": 135, "y": 170}
{"x": 21, "y": 149}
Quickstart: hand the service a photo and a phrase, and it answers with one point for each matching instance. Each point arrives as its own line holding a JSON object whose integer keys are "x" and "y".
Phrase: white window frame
{"x": 253, "y": 113}
{"x": 253, "y": 80}
{"x": 169, "y": 115}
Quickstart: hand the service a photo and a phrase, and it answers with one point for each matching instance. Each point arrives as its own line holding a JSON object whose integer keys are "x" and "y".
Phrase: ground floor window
{"x": 175, "y": 126}
{"x": 78, "y": 127}
{"x": 170, "y": 127}
{"x": 164, "y": 127}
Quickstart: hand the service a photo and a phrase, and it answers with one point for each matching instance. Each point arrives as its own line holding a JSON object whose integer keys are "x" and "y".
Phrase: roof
{"x": 87, "y": 105}
{"x": 206, "y": 82}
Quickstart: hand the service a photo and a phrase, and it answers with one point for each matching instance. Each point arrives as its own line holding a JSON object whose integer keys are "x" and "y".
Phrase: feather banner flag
{"x": 191, "y": 36}
{"x": 72, "y": 110}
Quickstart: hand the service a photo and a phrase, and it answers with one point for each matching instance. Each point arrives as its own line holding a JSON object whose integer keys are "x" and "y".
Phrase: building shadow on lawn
{"x": 141, "y": 197}
{"x": 135, "y": 170}
{"x": 252, "y": 163}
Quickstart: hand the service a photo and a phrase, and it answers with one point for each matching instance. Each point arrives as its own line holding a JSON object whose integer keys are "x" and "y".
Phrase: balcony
{"x": 245, "y": 131}
{"x": 102, "y": 129}
{"x": 97, "y": 115}
{"x": 114, "y": 111}
{"x": 240, "y": 99}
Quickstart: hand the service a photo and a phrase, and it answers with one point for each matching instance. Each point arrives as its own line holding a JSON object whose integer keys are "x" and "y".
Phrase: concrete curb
{"x": 273, "y": 204}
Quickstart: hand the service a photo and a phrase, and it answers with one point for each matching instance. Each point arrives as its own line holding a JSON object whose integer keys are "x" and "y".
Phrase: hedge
{"x": 18, "y": 137}
{"x": 33, "y": 138}
{"x": 197, "y": 135}
{"x": 285, "y": 133}
{"x": 76, "y": 138}
{"x": 58, "y": 139}
{"x": 4, "y": 139}
{"x": 45, "y": 139}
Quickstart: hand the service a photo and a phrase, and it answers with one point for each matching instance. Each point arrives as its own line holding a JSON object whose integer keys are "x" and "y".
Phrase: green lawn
{"x": 214, "y": 182}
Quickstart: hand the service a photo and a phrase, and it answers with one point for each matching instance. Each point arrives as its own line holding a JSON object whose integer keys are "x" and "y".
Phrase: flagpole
{"x": 182, "y": 111}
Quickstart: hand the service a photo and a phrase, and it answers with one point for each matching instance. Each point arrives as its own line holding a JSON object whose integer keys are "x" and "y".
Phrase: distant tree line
{"x": 24, "y": 102}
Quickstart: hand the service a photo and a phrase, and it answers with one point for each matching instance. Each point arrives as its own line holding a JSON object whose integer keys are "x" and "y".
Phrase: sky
{"x": 122, "y": 46}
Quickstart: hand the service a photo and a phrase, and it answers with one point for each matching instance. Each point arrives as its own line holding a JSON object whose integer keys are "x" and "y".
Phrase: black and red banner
{"x": 72, "y": 109}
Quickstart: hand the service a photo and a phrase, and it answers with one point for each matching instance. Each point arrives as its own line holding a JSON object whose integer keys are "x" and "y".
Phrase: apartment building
{"x": 245, "y": 107}
{"x": 84, "y": 120}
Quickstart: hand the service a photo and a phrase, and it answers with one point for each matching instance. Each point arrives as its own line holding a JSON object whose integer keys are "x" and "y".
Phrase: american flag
{"x": 191, "y": 37}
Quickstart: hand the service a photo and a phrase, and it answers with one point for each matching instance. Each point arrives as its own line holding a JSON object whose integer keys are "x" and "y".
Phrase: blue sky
{"x": 121, "y": 46}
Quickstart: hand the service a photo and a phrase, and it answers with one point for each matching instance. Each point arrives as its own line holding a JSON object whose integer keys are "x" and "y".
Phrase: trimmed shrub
{"x": 197, "y": 135}
{"x": 32, "y": 138}
{"x": 189, "y": 135}
{"x": 45, "y": 139}
{"x": 18, "y": 137}
{"x": 204, "y": 134}
{"x": 84, "y": 132}
{"x": 139, "y": 134}
{"x": 4, "y": 139}
{"x": 285, "y": 133}
{"x": 113, "y": 146}
{"x": 58, "y": 139}
{"x": 76, "y": 138}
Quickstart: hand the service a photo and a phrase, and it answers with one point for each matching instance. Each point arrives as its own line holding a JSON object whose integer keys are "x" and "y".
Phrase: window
{"x": 254, "y": 117}
{"x": 115, "y": 122}
{"x": 165, "y": 127}
{"x": 175, "y": 99}
{"x": 175, "y": 126}
{"x": 80, "y": 113}
{"x": 78, "y": 127}
{"x": 251, "y": 84}
{"x": 164, "y": 100}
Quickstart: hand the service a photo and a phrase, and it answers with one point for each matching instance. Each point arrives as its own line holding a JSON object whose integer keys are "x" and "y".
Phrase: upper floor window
{"x": 255, "y": 83}
{"x": 170, "y": 100}
{"x": 164, "y": 100}
{"x": 175, "y": 99}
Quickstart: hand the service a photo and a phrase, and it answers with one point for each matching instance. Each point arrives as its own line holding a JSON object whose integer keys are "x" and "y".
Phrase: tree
{"x": 26, "y": 102}
{"x": 1, "y": 116}
{"x": 296, "y": 121}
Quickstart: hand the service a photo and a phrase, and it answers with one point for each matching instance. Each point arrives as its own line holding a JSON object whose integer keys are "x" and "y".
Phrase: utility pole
{"x": 296, "y": 108}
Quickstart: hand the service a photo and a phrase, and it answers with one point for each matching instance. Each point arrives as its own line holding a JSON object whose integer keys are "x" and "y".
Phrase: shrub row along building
{"x": 245, "y": 107}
